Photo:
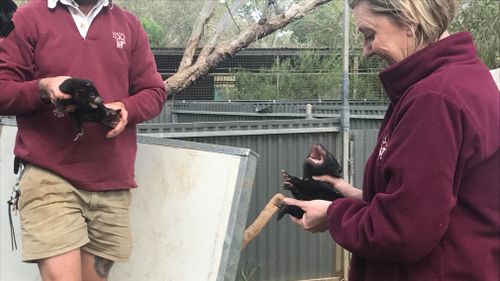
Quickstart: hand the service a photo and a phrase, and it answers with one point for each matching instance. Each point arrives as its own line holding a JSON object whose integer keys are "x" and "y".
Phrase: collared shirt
{"x": 81, "y": 20}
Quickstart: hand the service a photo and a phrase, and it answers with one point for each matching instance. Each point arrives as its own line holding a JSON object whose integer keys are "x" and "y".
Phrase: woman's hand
{"x": 315, "y": 218}
{"x": 120, "y": 126}
{"x": 341, "y": 186}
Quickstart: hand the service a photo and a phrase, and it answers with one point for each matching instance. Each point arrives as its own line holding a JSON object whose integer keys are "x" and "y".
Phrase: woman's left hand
{"x": 123, "y": 118}
{"x": 315, "y": 218}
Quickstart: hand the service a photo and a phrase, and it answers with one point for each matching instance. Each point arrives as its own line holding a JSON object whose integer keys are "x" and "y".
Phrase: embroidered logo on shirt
{"x": 383, "y": 147}
{"x": 120, "y": 39}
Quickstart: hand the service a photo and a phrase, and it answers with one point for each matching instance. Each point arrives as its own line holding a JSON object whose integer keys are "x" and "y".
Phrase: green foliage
{"x": 323, "y": 28}
{"x": 364, "y": 82}
{"x": 482, "y": 19}
{"x": 155, "y": 31}
{"x": 308, "y": 76}
{"x": 175, "y": 17}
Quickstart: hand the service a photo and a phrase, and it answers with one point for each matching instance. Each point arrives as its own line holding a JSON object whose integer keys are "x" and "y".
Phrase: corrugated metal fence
{"x": 282, "y": 252}
{"x": 364, "y": 113}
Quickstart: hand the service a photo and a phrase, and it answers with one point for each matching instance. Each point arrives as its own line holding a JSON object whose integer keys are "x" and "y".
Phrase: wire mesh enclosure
{"x": 280, "y": 74}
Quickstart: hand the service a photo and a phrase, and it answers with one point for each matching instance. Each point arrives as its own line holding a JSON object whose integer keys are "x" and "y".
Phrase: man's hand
{"x": 341, "y": 186}
{"x": 48, "y": 88}
{"x": 315, "y": 218}
{"x": 120, "y": 126}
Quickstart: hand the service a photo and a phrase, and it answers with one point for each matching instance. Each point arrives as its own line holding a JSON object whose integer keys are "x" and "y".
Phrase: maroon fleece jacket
{"x": 431, "y": 187}
{"x": 115, "y": 55}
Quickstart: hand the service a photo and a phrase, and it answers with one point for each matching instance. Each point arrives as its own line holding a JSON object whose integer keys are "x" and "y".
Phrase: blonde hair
{"x": 428, "y": 19}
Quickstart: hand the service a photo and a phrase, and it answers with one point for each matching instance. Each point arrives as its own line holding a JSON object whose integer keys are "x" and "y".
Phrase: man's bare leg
{"x": 64, "y": 267}
{"x": 95, "y": 268}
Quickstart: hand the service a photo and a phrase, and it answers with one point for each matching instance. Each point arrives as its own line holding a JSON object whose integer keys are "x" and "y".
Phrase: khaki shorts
{"x": 57, "y": 218}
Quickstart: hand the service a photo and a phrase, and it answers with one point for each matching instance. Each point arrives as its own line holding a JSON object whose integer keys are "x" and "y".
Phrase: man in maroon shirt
{"x": 429, "y": 209}
{"x": 75, "y": 195}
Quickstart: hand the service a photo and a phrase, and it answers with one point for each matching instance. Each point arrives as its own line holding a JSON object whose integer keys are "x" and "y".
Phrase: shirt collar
{"x": 398, "y": 78}
{"x": 53, "y": 3}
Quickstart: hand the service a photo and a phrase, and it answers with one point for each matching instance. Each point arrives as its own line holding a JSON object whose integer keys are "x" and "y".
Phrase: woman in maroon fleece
{"x": 429, "y": 209}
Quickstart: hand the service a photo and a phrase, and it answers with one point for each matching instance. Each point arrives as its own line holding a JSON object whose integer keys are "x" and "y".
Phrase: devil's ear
{"x": 7, "y": 9}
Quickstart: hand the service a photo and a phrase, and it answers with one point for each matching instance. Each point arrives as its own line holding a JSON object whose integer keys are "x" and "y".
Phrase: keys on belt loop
{"x": 14, "y": 199}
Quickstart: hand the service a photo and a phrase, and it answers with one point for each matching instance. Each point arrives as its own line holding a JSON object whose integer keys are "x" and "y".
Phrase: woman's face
{"x": 382, "y": 36}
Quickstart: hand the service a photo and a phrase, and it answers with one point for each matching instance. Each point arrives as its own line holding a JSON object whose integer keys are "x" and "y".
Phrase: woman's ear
{"x": 410, "y": 30}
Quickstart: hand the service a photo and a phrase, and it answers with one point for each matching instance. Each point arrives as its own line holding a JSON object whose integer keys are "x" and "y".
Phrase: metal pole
{"x": 278, "y": 77}
{"x": 345, "y": 122}
{"x": 345, "y": 82}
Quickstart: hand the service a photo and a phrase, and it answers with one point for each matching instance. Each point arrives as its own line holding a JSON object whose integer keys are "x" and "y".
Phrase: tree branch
{"x": 204, "y": 64}
{"x": 232, "y": 17}
{"x": 221, "y": 27}
{"x": 201, "y": 21}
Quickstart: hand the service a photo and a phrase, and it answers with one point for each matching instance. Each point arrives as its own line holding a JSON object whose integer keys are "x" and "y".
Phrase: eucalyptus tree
{"x": 217, "y": 47}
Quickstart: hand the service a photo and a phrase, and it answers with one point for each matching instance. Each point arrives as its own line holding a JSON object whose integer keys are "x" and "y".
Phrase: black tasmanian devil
{"x": 85, "y": 105}
{"x": 319, "y": 162}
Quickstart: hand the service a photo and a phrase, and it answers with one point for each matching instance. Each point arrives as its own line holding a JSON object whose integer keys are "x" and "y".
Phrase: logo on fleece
{"x": 383, "y": 147}
{"x": 120, "y": 39}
